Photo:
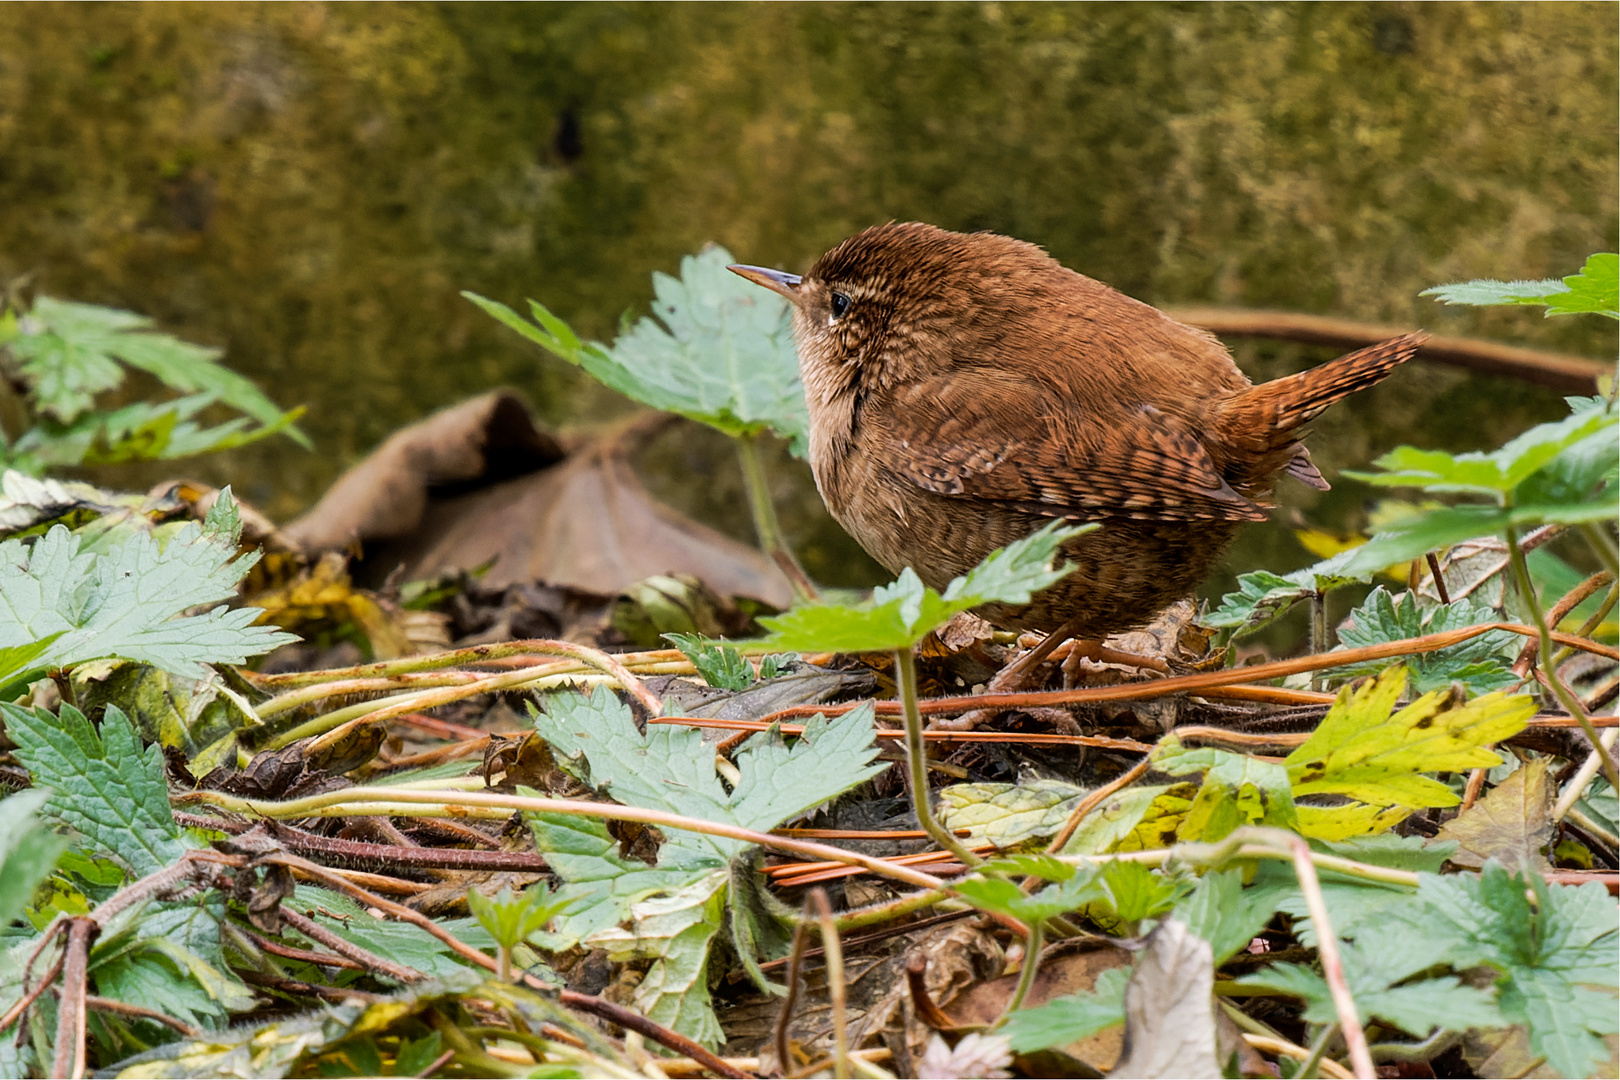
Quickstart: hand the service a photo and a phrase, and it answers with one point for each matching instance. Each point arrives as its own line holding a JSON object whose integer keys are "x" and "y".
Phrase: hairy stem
{"x": 766, "y": 526}
{"x": 1026, "y": 974}
{"x": 1566, "y": 697}
{"x": 905, "y": 670}
{"x": 1597, "y": 536}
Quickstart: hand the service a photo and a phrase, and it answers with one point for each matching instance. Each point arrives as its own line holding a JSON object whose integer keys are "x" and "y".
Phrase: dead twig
{"x": 790, "y": 1001}
{"x": 633, "y": 1021}
{"x": 1570, "y": 601}
{"x": 69, "y": 1060}
{"x": 365, "y": 958}
{"x": 1193, "y": 684}
{"x": 124, "y": 1008}
{"x": 1560, "y": 371}
{"x": 1087, "y": 805}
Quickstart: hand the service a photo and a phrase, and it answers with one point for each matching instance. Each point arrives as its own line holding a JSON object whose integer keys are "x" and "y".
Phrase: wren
{"x": 965, "y": 389}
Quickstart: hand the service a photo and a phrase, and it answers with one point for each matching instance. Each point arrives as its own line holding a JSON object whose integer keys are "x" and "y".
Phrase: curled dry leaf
{"x": 480, "y": 482}
{"x": 1511, "y": 823}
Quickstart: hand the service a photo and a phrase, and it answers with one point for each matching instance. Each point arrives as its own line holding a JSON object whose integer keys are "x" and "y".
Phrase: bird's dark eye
{"x": 840, "y": 304}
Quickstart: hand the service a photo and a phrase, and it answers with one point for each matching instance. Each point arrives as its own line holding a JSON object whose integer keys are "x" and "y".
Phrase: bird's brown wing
{"x": 995, "y": 438}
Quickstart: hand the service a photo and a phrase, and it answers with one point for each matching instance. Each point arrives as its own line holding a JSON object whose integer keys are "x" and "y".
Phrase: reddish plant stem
{"x": 365, "y": 958}
{"x": 69, "y": 1060}
{"x": 124, "y": 1008}
{"x": 633, "y": 1021}
{"x": 1193, "y": 684}
{"x": 358, "y": 854}
{"x": 1327, "y": 944}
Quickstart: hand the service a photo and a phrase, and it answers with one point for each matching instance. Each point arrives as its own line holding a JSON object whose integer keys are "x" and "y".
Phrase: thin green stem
{"x": 769, "y": 531}
{"x": 905, "y": 668}
{"x": 878, "y": 914}
{"x": 1598, "y": 538}
{"x": 1591, "y": 624}
{"x": 1026, "y": 975}
{"x": 1319, "y": 634}
{"x": 833, "y": 956}
{"x": 1311, "y": 1067}
{"x": 1566, "y": 697}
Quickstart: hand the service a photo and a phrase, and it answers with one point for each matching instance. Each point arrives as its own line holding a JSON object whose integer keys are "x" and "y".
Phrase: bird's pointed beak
{"x": 774, "y": 280}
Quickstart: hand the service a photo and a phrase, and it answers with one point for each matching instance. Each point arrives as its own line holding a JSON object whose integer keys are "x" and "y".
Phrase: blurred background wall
{"x": 310, "y": 185}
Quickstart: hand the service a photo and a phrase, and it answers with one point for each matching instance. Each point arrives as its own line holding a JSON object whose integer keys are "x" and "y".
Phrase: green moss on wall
{"x": 309, "y": 185}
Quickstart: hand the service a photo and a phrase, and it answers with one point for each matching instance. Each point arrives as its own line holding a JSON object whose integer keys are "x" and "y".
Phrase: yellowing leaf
{"x": 1008, "y": 814}
{"x": 1132, "y": 820}
{"x": 1158, "y": 826}
{"x": 1363, "y": 752}
{"x": 1344, "y": 822}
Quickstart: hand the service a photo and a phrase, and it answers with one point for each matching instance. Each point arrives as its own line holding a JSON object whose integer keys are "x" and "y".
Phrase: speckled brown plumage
{"x": 966, "y": 389}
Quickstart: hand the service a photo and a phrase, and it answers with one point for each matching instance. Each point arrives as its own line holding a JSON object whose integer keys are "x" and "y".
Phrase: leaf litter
{"x": 499, "y": 829}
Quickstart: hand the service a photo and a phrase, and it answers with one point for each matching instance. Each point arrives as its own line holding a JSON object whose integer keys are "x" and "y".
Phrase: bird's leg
{"x": 1015, "y": 675}
{"x": 1095, "y": 650}
{"x": 1010, "y": 679}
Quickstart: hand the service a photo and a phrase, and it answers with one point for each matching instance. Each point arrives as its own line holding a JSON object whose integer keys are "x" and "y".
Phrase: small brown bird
{"x": 966, "y": 389}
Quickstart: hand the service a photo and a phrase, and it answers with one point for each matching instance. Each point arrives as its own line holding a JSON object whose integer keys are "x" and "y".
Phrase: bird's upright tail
{"x": 1265, "y": 420}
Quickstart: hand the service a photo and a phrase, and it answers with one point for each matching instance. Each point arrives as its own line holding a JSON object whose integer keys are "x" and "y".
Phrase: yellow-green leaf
{"x": 1363, "y": 752}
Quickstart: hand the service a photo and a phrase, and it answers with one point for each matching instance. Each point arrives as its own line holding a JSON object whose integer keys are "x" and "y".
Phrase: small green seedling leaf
{"x": 1263, "y": 597}
{"x": 1134, "y": 893}
{"x": 1000, "y": 896}
{"x": 1476, "y": 663}
{"x": 720, "y": 665}
{"x": 512, "y": 920}
{"x": 719, "y": 351}
{"x": 901, "y": 614}
{"x": 103, "y": 785}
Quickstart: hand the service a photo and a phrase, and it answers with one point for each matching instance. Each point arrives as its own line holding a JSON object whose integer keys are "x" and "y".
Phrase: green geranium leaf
{"x": 1379, "y": 966}
{"x": 719, "y": 350}
{"x": 901, "y": 614}
{"x": 68, "y": 352}
{"x": 129, "y": 601}
{"x": 1483, "y": 292}
{"x": 1477, "y": 663}
{"x": 1263, "y": 597}
{"x": 104, "y": 785}
{"x": 1595, "y": 290}
{"x": 676, "y": 905}
{"x": 1366, "y": 752}
{"x": 1554, "y": 947}
{"x": 1066, "y": 1019}
{"x": 1592, "y": 291}
{"x": 1493, "y": 474}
